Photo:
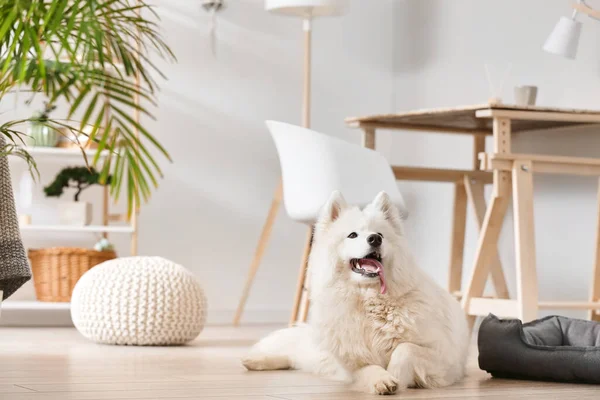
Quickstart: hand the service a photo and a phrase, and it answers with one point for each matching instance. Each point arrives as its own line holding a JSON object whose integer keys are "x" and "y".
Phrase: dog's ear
{"x": 384, "y": 205}
{"x": 332, "y": 209}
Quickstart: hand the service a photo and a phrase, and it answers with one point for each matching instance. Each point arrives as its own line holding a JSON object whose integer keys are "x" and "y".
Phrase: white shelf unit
{"x": 38, "y": 313}
{"x": 74, "y": 155}
{"x": 62, "y": 153}
{"x": 67, "y": 228}
{"x": 34, "y": 305}
{"x": 35, "y": 313}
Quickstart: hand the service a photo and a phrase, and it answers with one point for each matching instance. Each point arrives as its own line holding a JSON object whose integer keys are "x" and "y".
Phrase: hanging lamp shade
{"x": 564, "y": 39}
{"x": 304, "y": 8}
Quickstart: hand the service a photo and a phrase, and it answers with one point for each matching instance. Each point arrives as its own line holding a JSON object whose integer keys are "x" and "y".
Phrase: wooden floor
{"x": 57, "y": 363}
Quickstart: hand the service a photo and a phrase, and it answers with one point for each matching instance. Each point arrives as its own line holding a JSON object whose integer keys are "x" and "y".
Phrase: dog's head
{"x": 356, "y": 246}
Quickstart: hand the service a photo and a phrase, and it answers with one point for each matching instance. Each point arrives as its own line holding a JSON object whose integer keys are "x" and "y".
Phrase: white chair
{"x": 312, "y": 166}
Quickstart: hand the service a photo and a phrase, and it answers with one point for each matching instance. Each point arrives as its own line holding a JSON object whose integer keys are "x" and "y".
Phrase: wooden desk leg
{"x": 457, "y": 240}
{"x": 594, "y": 315}
{"x": 527, "y": 289}
{"x": 260, "y": 250}
{"x": 301, "y": 297}
{"x": 475, "y": 194}
{"x": 368, "y": 139}
{"x": 490, "y": 231}
{"x": 492, "y": 222}
{"x": 478, "y": 147}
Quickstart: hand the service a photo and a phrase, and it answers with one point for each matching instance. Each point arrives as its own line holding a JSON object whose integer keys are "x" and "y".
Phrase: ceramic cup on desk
{"x": 525, "y": 95}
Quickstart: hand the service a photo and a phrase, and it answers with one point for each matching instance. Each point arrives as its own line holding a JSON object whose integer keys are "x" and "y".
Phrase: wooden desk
{"x": 510, "y": 173}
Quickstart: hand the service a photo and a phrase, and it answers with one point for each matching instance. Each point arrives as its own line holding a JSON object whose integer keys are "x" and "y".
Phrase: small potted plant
{"x": 79, "y": 178}
{"x": 40, "y": 132}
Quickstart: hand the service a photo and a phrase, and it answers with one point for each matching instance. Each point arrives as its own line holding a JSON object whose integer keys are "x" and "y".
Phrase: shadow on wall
{"x": 582, "y": 141}
{"x": 227, "y": 146}
{"x": 414, "y": 34}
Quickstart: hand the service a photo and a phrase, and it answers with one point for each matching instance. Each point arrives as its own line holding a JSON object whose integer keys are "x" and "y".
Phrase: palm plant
{"x": 95, "y": 56}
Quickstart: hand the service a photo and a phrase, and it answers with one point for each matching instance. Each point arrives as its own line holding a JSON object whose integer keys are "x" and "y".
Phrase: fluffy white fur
{"x": 415, "y": 335}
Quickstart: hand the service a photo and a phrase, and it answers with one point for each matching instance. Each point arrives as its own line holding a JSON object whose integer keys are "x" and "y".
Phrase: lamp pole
{"x": 300, "y": 306}
{"x": 307, "y": 10}
{"x": 307, "y": 27}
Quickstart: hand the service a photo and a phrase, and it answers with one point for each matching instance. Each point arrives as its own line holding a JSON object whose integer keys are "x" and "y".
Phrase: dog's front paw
{"x": 385, "y": 385}
{"x": 376, "y": 380}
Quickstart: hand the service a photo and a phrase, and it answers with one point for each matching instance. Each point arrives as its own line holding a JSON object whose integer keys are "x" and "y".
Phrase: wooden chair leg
{"x": 476, "y": 197}
{"x": 260, "y": 250}
{"x": 457, "y": 240}
{"x": 301, "y": 296}
{"x": 594, "y": 315}
{"x": 304, "y": 305}
{"x": 527, "y": 288}
{"x": 490, "y": 231}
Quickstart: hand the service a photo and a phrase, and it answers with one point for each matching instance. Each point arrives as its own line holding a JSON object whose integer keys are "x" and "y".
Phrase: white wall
{"x": 384, "y": 55}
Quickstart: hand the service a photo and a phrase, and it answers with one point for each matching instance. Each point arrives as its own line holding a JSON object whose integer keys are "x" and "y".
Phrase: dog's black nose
{"x": 374, "y": 240}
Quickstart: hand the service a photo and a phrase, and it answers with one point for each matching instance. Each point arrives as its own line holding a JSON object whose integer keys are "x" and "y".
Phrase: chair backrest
{"x": 313, "y": 165}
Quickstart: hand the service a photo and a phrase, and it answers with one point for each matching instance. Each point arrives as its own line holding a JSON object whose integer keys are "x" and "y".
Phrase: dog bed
{"x": 554, "y": 348}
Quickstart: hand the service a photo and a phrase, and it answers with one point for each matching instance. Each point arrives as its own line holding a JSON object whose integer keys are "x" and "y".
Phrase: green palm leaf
{"x": 95, "y": 55}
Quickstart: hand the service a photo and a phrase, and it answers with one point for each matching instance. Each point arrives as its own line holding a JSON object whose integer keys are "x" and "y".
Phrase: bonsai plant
{"x": 79, "y": 178}
{"x": 40, "y": 133}
{"x": 97, "y": 57}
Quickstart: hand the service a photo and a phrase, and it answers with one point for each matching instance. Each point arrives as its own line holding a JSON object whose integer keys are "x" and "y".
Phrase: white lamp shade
{"x": 307, "y": 8}
{"x": 564, "y": 39}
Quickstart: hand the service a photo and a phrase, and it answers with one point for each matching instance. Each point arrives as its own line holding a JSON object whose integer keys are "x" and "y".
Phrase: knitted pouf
{"x": 138, "y": 301}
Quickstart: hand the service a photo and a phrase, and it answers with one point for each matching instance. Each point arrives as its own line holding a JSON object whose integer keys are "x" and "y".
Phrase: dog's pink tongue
{"x": 370, "y": 265}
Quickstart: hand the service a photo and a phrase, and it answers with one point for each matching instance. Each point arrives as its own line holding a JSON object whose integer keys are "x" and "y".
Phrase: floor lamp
{"x": 307, "y": 10}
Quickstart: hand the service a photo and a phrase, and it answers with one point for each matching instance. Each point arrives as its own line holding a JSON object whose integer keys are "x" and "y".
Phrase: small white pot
{"x": 525, "y": 95}
{"x": 75, "y": 213}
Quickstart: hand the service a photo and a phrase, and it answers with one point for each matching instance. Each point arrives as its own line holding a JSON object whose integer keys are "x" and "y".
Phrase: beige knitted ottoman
{"x": 139, "y": 301}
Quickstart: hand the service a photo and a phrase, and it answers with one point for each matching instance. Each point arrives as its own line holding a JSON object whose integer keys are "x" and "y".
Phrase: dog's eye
{"x": 352, "y": 235}
{"x": 380, "y": 235}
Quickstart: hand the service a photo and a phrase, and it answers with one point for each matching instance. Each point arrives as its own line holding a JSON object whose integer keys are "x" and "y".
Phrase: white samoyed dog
{"x": 377, "y": 321}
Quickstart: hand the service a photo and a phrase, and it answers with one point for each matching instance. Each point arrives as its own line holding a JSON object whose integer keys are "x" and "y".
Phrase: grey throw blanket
{"x": 14, "y": 268}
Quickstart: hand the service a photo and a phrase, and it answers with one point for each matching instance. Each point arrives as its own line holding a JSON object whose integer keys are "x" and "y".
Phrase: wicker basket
{"x": 56, "y": 270}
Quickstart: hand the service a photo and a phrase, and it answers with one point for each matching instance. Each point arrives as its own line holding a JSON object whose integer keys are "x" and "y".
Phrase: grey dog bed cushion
{"x": 554, "y": 348}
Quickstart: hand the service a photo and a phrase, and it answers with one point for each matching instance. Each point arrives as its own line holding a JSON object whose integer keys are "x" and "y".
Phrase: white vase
{"x": 77, "y": 213}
